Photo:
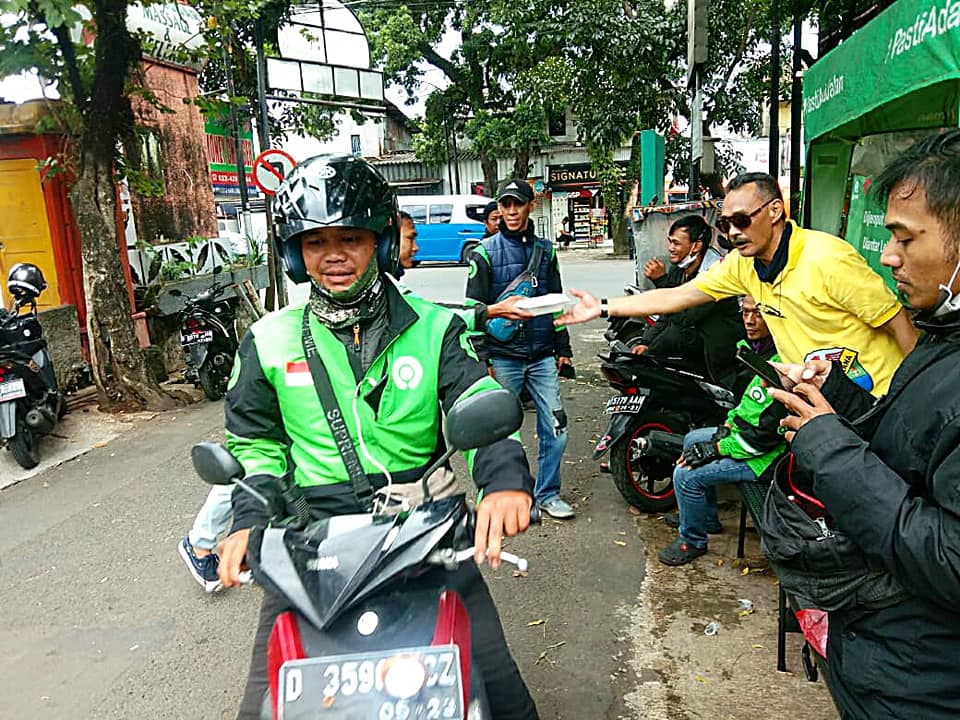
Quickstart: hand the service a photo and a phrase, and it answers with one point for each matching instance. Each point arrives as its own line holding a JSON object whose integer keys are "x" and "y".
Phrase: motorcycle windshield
{"x": 313, "y": 568}
{"x": 419, "y": 536}
{"x": 324, "y": 569}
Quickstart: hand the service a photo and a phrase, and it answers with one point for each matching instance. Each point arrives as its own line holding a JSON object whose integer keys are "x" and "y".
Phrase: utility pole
{"x": 796, "y": 117}
{"x": 774, "y": 164}
{"x": 278, "y": 283}
{"x": 697, "y": 30}
{"x": 237, "y": 141}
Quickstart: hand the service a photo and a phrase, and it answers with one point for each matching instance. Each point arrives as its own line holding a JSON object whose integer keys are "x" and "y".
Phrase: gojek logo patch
{"x": 407, "y": 372}
{"x": 472, "y": 269}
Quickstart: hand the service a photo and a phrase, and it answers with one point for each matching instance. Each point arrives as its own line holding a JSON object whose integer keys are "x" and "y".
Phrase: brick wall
{"x": 175, "y": 145}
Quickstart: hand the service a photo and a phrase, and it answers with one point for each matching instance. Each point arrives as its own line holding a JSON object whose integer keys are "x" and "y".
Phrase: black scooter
{"x": 658, "y": 402}
{"x": 208, "y": 335}
{"x": 376, "y": 632}
{"x": 31, "y": 402}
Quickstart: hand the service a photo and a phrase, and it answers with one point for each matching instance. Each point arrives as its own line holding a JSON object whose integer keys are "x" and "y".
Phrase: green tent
{"x": 890, "y": 83}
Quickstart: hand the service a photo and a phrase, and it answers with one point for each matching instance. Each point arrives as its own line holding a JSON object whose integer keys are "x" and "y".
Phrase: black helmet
{"x": 335, "y": 191}
{"x": 25, "y": 282}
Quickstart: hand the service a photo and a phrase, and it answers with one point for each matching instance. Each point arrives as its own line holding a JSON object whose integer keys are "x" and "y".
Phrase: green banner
{"x": 911, "y": 45}
{"x": 865, "y": 227}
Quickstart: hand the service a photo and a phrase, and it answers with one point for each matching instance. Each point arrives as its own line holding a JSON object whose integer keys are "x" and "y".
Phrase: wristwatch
{"x": 604, "y": 308}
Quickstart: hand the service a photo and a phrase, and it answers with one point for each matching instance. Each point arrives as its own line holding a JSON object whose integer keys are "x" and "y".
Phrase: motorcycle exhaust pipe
{"x": 40, "y": 419}
{"x": 658, "y": 443}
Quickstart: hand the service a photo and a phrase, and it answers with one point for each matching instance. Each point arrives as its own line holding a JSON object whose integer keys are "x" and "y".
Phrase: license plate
{"x": 625, "y": 404}
{"x": 201, "y": 336}
{"x": 357, "y": 687}
{"x": 12, "y": 390}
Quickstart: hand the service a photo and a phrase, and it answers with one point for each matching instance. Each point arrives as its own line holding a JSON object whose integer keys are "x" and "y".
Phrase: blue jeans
{"x": 696, "y": 489}
{"x": 541, "y": 380}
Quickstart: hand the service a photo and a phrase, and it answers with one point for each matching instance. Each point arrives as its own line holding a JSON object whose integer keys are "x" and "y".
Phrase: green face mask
{"x": 362, "y": 300}
{"x": 362, "y": 283}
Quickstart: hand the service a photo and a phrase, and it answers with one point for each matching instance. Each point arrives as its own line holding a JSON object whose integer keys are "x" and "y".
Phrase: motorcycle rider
{"x": 888, "y": 470}
{"x": 704, "y": 337}
{"x": 395, "y": 362}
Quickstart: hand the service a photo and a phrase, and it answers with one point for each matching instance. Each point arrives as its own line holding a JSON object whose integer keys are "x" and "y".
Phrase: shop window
{"x": 557, "y": 124}
{"x": 440, "y": 214}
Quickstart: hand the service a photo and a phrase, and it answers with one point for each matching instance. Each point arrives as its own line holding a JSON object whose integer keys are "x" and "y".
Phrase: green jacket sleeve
{"x": 255, "y": 434}
{"x": 754, "y": 424}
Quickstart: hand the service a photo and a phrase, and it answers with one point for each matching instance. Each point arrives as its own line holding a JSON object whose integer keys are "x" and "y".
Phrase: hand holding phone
{"x": 760, "y": 367}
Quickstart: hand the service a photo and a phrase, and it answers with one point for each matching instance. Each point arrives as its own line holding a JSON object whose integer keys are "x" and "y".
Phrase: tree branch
{"x": 69, "y": 53}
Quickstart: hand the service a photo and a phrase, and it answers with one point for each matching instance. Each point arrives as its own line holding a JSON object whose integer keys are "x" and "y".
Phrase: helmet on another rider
{"x": 335, "y": 191}
{"x": 25, "y": 282}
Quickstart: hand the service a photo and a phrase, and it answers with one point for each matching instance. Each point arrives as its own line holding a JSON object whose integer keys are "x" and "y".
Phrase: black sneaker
{"x": 672, "y": 519}
{"x": 204, "y": 570}
{"x": 680, "y": 552}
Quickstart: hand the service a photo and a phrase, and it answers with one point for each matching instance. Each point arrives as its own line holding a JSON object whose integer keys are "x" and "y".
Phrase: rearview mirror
{"x": 483, "y": 419}
{"x": 214, "y": 463}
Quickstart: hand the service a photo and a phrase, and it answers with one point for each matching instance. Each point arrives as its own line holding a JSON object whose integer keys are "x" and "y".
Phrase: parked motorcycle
{"x": 31, "y": 402}
{"x": 658, "y": 402}
{"x": 376, "y": 632}
{"x": 208, "y": 335}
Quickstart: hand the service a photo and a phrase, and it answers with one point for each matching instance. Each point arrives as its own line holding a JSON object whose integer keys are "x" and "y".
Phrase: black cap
{"x": 517, "y": 189}
{"x": 489, "y": 208}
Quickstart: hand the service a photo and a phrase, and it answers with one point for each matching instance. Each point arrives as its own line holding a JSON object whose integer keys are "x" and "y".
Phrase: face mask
{"x": 947, "y": 302}
{"x": 688, "y": 260}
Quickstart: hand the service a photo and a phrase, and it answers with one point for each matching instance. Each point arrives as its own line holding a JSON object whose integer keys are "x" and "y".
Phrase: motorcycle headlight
{"x": 403, "y": 676}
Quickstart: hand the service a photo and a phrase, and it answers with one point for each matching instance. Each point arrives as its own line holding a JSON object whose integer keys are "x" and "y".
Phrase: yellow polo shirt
{"x": 827, "y": 303}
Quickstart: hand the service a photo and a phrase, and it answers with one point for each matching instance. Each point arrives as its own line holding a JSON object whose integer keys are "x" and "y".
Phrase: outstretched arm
{"x": 652, "y": 302}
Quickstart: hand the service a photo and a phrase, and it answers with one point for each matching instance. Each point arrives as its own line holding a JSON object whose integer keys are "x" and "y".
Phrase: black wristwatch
{"x": 604, "y": 308}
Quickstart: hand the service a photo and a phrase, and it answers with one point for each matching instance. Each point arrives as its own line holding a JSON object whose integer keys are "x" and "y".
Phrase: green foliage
{"x": 176, "y": 269}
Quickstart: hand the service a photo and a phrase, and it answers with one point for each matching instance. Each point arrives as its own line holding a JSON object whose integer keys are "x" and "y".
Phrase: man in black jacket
{"x": 888, "y": 470}
{"x": 704, "y": 337}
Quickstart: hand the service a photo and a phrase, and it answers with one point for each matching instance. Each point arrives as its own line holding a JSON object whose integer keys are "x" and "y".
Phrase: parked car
{"x": 448, "y": 226}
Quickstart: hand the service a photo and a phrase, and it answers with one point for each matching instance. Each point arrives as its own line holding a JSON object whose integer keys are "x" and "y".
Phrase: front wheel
{"x": 211, "y": 382}
{"x": 645, "y": 482}
{"x": 25, "y": 445}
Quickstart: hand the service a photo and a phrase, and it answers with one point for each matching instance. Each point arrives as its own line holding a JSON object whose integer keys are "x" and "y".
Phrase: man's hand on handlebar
{"x": 233, "y": 551}
{"x": 500, "y": 514}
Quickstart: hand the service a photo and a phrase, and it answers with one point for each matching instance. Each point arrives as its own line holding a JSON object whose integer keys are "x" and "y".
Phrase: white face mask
{"x": 947, "y": 302}
{"x": 689, "y": 260}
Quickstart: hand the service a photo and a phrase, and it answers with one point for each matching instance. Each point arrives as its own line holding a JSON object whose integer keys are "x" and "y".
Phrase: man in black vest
{"x": 531, "y": 358}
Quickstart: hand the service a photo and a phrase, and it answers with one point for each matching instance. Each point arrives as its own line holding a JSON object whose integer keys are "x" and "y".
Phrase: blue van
{"x": 448, "y": 226}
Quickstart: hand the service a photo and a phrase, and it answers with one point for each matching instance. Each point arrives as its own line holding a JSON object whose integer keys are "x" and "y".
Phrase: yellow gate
{"x": 24, "y": 230}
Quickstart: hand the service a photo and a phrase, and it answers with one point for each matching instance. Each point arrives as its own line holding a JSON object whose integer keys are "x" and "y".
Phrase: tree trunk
{"x": 119, "y": 370}
{"x": 490, "y": 179}
{"x": 521, "y": 163}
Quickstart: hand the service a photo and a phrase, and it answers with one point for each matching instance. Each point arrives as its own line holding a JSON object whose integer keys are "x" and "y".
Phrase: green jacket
{"x": 275, "y": 422}
{"x": 755, "y": 433}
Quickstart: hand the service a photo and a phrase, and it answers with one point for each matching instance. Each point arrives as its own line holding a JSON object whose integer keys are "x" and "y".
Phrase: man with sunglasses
{"x": 818, "y": 296}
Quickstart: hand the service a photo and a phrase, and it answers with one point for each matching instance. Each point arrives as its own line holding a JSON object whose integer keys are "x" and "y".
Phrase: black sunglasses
{"x": 740, "y": 220}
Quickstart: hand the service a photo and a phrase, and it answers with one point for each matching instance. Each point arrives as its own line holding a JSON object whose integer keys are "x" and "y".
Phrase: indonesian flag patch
{"x": 298, "y": 374}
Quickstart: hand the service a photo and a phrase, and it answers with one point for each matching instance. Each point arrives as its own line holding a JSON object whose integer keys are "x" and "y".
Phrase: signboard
{"x": 866, "y": 230}
{"x": 577, "y": 175}
{"x": 222, "y": 157}
{"x": 171, "y": 28}
{"x": 270, "y": 168}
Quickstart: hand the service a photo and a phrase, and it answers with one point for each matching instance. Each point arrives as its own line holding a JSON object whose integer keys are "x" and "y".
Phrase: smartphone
{"x": 760, "y": 367}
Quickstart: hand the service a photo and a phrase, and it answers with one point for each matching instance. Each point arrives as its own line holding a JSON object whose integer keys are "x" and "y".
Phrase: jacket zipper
{"x": 356, "y": 337}
{"x": 824, "y": 530}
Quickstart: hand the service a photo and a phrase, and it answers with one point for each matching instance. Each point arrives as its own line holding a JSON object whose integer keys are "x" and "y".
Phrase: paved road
{"x": 101, "y": 619}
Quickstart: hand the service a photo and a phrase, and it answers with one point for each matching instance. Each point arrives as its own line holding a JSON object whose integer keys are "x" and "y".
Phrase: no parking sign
{"x": 270, "y": 168}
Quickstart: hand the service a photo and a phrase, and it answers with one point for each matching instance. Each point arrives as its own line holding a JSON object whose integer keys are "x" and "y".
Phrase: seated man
{"x": 703, "y": 337}
{"x": 742, "y": 450}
